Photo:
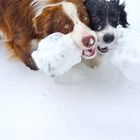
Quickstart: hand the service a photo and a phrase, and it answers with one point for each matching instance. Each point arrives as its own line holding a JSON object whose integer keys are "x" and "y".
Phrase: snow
{"x": 127, "y": 55}
{"x": 57, "y": 54}
{"x": 84, "y": 104}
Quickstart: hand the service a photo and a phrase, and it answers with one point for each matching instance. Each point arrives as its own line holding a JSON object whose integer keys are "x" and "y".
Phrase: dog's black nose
{"x": 108, "y": 38}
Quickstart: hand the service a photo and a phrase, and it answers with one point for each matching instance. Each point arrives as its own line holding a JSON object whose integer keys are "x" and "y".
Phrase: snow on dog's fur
{"x": 106, "y": 18}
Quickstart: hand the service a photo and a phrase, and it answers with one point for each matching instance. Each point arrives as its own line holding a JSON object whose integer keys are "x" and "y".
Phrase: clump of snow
{"x": 56, "y": 54}
{"x": 126, "y": 55}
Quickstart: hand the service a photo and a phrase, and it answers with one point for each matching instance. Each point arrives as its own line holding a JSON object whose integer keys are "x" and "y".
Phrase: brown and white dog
{"x": 25, "y": 22}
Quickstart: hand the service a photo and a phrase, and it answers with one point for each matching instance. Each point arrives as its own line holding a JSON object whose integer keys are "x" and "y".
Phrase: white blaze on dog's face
{"x": 80, "y": 30}
{"x": 108, "y": 37}
{"x": 106, "y": 17}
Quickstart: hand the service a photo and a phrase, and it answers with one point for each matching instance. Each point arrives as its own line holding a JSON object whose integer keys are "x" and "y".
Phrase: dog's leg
{"x": 25, "y": 55}
{"x": 23, "y": 45}
{"x": 23, "y": 52}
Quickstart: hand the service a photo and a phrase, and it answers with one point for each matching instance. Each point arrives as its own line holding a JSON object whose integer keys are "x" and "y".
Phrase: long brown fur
{"x": 19, "y": 24}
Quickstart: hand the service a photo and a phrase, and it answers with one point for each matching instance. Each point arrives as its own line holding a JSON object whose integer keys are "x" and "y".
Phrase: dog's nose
{"x": 108, "y": 38}
{"x": 88, "y": 41}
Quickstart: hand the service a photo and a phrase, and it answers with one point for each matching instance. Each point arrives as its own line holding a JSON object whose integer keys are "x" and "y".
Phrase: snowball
{"x": 56, "y": 54}
{"x": 126, "y": 56}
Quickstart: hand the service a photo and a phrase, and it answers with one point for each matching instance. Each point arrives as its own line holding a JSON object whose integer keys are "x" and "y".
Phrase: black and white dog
{"x": 105, "y": 18}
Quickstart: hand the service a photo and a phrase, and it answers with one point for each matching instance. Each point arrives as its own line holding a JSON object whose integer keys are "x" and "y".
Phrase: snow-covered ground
{"x": 84, "y": 104}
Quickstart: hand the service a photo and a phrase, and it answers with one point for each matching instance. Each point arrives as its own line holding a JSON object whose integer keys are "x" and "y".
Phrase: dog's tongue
{"x": 89, "y": 54}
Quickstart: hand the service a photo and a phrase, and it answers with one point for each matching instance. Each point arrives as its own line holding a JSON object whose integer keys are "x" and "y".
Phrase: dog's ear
{"x": 42, "y": 22}
{"x": 123, "y": 16}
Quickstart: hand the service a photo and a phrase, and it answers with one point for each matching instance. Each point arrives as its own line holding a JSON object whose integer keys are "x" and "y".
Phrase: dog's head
{"x": 105, "y": 16}
{"x": 66, "y": 17}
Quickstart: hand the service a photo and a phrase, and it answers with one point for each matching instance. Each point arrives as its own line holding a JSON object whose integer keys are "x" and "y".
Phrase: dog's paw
{"x": 31, "y": 64}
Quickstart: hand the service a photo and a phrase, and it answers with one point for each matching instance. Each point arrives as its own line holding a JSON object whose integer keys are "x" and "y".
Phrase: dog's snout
{"x": 108, "y": 38}
{"x": 88, "y": 41}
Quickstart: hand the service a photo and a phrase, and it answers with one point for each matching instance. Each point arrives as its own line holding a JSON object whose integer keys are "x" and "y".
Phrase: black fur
{"x": 102, "y": 12}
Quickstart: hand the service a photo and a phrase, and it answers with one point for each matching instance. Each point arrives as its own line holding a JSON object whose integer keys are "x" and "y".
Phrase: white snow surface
{"x": 56, "y": 54}
{"x": 84, "y": 104}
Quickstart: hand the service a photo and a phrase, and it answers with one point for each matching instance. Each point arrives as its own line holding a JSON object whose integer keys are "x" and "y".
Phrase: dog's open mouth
{"x": 89, "y": 53}
{"x": 102, "y": 50}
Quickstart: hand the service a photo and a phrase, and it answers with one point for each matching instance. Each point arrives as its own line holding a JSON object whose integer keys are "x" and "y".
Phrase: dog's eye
{"x": 66, "y": 26}
{"x": 99, "y": 28}
{"x": 85, "y": 18}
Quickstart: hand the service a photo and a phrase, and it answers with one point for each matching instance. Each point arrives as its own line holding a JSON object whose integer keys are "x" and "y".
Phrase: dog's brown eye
{"x": 66, "y": 26}
{"x": 85, "y": 18}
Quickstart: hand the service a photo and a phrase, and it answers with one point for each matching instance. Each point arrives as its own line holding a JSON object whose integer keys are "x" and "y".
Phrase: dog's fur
{"x": 25, "y": 22}
{"x": 105, "y": 16}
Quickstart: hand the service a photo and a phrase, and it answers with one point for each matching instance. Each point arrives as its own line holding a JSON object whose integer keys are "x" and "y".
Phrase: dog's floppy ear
{"x": 42, "y": 21}
{"x": 123, "y": 16}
